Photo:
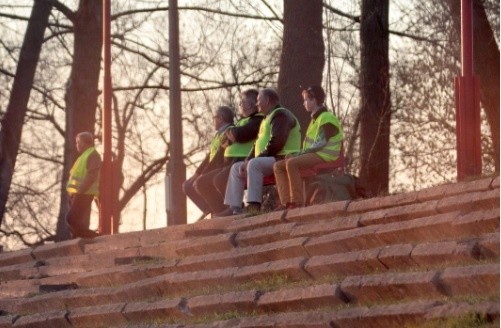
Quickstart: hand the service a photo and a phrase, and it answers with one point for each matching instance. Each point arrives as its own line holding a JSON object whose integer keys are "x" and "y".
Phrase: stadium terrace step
{"x": 205, "y": 245}
{"x": 251, "y": 255}
{"x": 48, "y": 319}
{"x": 434, "y": 228}
{"x": 254, "y": 222}
{"x": 19, "y": 257}
{"x": 302, "y": 298}
{"x": 18, "y": 288}
{"x": 242, "y": 301}
{"x": 264, "y": 235}
{"x": 124, "y": 274}
{"x": 64, "y": 248}
{"x": 383, "y": 262}
{"x": 106, "y": 315}
{"x": 455, "y": 281}
{"x": 324, "y": 227}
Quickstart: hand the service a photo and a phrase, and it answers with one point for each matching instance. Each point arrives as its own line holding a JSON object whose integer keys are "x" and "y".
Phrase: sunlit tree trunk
{"x": 81, "y": 89}
{"x": 13, "y": 119}
{"x": 486, "y": 65}
{"x": 302, "y": 59}
{"x": 375, "y": 93}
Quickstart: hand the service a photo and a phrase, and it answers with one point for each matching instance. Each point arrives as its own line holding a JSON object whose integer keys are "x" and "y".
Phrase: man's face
{"x": 309, "y": 103}
{"x": 244, "y": 106}
{"x": 80, "y": 145}
{"x": 263, "y": 103}
{"x": 217, "y": 121}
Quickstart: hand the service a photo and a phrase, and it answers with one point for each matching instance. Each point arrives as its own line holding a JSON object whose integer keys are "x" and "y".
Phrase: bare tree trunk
{"x": 302, "y": 59}
{"x": 82, "y": 90}
{"x": 486, "y": 65}
{"x": 375, "y": 93}
{"x": 13, "y": 120}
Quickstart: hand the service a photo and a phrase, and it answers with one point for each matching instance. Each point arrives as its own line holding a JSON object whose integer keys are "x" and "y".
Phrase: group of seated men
{"x": 266, "y": 140}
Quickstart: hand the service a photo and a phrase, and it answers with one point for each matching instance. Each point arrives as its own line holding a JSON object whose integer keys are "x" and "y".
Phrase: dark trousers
{"x": 212, "y": 186}
{"x": 78, "y": 216}
{"x": 189, "y": 188}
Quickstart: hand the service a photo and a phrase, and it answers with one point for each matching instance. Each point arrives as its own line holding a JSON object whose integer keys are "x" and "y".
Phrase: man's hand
{"x": 230, "y": 136}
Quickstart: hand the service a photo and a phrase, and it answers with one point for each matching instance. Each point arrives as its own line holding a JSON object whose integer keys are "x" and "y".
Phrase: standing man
{"x": 239, "y": 141}
{"x": 279, "y": 135}
{"x": 83, "y": 186}
{"x": 222, "y": 120}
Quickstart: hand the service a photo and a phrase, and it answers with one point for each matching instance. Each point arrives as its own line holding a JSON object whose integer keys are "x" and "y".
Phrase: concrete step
{"x": 291, "y": 307}
{"x": 382, "y": 258}
{"x": 448, "y": 226}
{"x": 382, "y": 262}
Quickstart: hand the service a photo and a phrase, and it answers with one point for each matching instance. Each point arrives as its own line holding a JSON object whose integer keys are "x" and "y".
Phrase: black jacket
{"x": 281, "y": 124}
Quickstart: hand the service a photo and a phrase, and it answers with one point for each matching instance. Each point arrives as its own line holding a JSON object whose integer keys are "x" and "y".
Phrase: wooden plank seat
{"x": 321, "y": 168}
{"x": 324, "y": 167}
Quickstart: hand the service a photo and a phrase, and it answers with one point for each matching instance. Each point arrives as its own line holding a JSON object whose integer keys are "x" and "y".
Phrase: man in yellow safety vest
{"x": 322, "y": 143}
{"x": 83, "y": 186}
{"x": 222, "y": 120}
{"x": 279, "y": 135}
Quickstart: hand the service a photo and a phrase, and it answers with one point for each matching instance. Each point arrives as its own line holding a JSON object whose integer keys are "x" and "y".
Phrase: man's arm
{"x": 248, "y": 131}
{"x": 327, "y": 131}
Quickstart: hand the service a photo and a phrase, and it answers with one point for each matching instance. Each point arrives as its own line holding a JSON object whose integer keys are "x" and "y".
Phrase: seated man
{"x": 322, "y": 143}
{"x": 222, "y": 119}
{"x": 239, "y": 141}
{"x": 279, "y": 135}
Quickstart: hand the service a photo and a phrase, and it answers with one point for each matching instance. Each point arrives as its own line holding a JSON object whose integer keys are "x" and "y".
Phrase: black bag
{"x": 325, "y": 188}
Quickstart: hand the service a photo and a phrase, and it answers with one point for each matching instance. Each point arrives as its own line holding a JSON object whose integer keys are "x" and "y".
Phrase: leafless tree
{"x": 302, "y": 58}
{"x": 375, "y": 97}
{"x": 13, "y": 120}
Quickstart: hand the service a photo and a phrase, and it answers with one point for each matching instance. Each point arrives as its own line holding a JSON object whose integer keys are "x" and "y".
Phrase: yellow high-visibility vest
{"x": 79, "y": 171}
{"x": 240, "y": 149}
{"x": 293, "y": 143}
{"x": 331, "y": 150}
{"x": 216, "y": 143}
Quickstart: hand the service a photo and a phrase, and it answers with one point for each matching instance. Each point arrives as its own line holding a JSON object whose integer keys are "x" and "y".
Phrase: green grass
{"x": 465, "y": 321}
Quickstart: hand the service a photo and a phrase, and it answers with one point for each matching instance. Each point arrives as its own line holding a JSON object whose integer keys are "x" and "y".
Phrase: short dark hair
{"x": 315, "y": 91}
{"x": 251, "y": 94}
{"x": 271, "y": 94}
{"x": 226, "y": 113}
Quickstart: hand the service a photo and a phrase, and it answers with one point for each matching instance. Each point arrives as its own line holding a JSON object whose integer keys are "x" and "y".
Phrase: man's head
{"x": 267, "y": 99}
{"x": 248, "y": 102}
{"x": 84, "y": 140}
{"x": 313, "y": 98}
{"x": 316, "y": 92}
{"x": 223, "y": 115}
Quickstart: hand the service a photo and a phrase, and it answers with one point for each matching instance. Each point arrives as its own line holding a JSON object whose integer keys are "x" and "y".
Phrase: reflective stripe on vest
{"x": 238, "y": 149}
{"x": 293, "y": 143}
{"x": 78, "y": 172}
{"x": 332, "y": 148}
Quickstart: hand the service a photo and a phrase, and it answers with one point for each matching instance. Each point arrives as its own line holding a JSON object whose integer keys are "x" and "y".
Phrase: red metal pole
{"x": 469, "y": 157}
{"x": 105, "y": 226}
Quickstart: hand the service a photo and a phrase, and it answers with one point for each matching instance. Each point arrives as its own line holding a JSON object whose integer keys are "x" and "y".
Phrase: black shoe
{"x": 228, "y": 212}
